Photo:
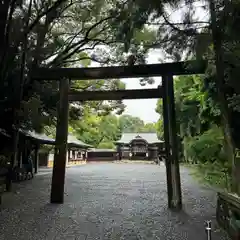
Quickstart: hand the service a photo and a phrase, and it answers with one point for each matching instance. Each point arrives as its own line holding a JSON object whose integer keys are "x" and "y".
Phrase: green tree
{"x": 56, "y": 34}
{"x": 199, "y": 122}
{"x": 149, "y": 128}
{"x": 159, "y": 124}
{"x": 130, "y": 124}
{"x": 106, "y": 145}
{"x": 97, "y": 130}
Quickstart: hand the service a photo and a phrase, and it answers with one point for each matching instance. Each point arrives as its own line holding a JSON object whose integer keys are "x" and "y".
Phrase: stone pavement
{"x": 107, "y": 201}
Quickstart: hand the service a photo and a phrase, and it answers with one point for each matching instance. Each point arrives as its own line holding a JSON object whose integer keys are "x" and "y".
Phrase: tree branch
{"x": 176, "y": 24}
{"x": 87, "y": 58}
{"x": 37, "y": 19}
{"x": 188, "y": 32}
{"x": 81, "y": 43}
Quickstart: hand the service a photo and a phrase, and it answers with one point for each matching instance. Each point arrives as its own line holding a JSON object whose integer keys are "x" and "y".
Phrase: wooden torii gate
{"x": 166, "y": 92}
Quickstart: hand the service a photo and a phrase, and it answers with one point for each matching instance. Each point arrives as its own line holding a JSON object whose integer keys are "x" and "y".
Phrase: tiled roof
{"x": 101, "y": 150}
{"x": 149, "y": 137}
{"x": 41, "y": 137}
{"x": 72, "y": 140}
{"x": 44, "y": 139}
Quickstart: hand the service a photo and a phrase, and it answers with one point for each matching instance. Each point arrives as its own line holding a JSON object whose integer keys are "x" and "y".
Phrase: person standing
{"x": 30, "y": 165}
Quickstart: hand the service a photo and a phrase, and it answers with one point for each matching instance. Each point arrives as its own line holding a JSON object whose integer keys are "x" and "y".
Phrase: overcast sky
{"x": 143, "y": 108}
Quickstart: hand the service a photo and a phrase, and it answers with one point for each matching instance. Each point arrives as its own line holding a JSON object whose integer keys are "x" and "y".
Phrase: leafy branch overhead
{"x": 71, "y": 33}
{"x": 59, "y": 34}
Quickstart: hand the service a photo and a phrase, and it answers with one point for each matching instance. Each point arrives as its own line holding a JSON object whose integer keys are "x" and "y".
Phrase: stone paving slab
{"x": 107, "y": 201}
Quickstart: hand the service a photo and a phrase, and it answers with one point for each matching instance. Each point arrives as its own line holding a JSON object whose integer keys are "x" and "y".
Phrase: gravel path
{"x": 107, "y": 201}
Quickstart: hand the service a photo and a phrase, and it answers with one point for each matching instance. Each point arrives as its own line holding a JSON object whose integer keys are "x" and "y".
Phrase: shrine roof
{"x": 148, "y": 137}
{"x": 44, "y": 139}
{"x": 39, "y": 137}
{"x": 73, "y": 141}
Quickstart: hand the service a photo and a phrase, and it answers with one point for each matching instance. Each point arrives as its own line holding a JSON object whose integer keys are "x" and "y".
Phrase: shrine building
{"x": 139, "y": 146}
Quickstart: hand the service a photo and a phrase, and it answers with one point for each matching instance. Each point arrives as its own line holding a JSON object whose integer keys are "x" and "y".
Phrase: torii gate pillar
{"x": 60, "y": 154}
{"x": 171, "y": 145}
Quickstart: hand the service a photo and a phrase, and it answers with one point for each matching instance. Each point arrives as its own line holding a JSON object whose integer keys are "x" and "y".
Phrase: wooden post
{"x": 167, "y": 142}
{"x": 176, "y": 181}
{"x": 19, "y": 156}
{"x": 59, "y": 165}
{"x": 68, "y": 156}
{"x": 36, "y": 158}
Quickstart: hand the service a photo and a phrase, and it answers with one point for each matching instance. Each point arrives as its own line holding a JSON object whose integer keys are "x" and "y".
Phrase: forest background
{"x": 68, "y": 33}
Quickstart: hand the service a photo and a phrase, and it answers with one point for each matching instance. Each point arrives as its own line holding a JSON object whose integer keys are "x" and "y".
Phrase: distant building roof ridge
{"x": 101, "y": 150}
{"x": 149, "y": 137}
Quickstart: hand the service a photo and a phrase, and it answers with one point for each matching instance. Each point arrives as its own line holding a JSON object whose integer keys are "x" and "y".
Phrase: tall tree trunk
{"x": 5, "y": 62}
{"x": 42, "y": 30}
{"x": 4, "y": 7}
{"x": 220, "y": 81}
{"x": 17, "y": 124}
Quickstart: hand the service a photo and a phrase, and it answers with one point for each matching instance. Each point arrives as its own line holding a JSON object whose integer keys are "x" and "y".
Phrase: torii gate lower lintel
{"x": 167, "y": 71}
